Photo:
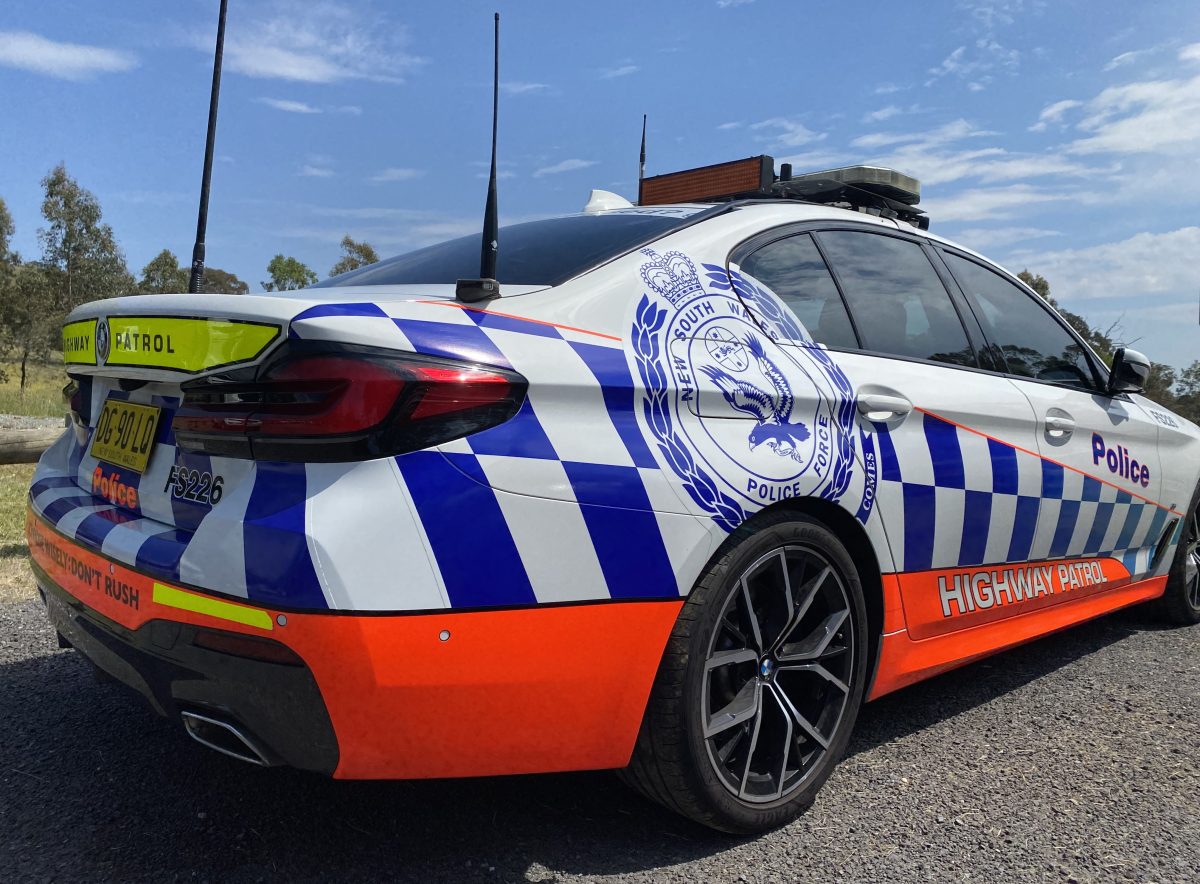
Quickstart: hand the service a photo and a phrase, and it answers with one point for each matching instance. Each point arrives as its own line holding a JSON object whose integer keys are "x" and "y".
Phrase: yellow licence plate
{"x": 125, "y": 434}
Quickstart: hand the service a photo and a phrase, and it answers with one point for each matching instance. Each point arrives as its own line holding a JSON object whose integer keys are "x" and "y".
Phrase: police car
{"x": 702, "y": 476}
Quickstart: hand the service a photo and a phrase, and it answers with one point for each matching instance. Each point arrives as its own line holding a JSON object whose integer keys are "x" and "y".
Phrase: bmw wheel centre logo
{"x": 102, "y": 340}
{"x": 745, "y": 407}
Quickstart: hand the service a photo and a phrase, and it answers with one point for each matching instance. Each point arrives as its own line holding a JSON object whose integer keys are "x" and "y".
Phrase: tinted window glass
{"x": 899, "y": 303}
{"x": 1034, "y": 343}
{"x": 544, "y": 252}
{"x": 795, "y": 270}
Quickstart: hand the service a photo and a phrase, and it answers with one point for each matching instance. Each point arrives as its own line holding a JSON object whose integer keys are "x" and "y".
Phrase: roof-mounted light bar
{"x": 871, "y": 189}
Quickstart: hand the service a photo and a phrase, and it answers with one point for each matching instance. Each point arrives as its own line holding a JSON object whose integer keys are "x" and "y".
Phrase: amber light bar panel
{"x": 722, "y": 181}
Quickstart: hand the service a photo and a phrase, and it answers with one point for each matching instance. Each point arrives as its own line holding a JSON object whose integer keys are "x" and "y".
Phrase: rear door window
{"x": 899, "y": 304}
{"x": 794, "y": 270}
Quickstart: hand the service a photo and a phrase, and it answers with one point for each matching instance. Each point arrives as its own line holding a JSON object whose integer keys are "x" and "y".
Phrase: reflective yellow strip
{"x": 185, "y": 344}
{"x": 202, "y": 604}
{"x": 79, "y": 342}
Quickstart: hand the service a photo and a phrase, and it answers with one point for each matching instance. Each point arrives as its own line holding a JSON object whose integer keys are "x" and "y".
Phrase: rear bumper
{"x": 277, "y": 706}
{"x": 379, "y": 696}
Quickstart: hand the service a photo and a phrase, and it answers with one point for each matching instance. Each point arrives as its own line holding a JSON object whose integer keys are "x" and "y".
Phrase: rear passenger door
{"x": 958, "y": 482}
{"x": 1103, "y": 472}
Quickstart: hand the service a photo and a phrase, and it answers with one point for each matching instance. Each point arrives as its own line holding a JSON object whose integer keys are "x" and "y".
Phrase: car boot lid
{"x": 172, "y": 337}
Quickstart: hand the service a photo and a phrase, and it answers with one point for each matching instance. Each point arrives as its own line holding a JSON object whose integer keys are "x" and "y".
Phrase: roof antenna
{"x": 642, "y": 160}
{"x": 472, "y": 290}
{"x": 196, "y": 280}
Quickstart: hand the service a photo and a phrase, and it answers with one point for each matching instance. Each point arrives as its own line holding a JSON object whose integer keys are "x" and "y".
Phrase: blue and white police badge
{"x": 740, "y": 402}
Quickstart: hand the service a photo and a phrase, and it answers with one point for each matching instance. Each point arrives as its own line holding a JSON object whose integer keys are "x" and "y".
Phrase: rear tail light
{"x": 344, "y": 405}
{"x": 77, "y": 397}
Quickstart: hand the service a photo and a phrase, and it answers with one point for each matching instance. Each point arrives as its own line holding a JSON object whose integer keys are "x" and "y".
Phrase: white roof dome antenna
{"x": 605, "y": 200}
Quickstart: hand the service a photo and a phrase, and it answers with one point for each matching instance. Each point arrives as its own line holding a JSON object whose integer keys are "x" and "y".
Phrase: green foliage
{"x": 1187, "y": 392}
{"x": 1178, "y": 391}
{"x": 6, "y": 232}
{"x": 163, "y": 275}
{"x": 1100, "y": 341}
{"x": 222, "y": 282}
{"x": 78, "y": 250}
{"x": 28, "y": 320}
{"x": 1037, "y": 283}
{"x": 288, "y": 274}
{"x": 354, "y": 255}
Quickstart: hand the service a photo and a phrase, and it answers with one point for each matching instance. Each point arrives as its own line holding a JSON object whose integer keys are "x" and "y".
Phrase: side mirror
{"x": 1130, "y": 371}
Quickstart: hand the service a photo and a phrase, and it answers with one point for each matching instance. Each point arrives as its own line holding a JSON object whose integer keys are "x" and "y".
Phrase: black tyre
{"x": 761, "y": 680}
{"x": 1181, "y": 603}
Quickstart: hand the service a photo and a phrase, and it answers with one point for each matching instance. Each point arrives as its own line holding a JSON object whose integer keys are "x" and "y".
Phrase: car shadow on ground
{"x": 95, "y": 786}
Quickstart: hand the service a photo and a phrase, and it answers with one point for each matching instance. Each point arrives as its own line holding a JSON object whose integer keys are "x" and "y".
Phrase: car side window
{"x": 1034, "y": 343}
{"x": 794, "y": 270}
{"x": 897, "y": 298}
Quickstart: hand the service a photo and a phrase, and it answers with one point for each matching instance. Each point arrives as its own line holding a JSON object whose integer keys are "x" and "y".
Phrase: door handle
{"x": 881, "y": 407}
{"x": 1059, "y": 427}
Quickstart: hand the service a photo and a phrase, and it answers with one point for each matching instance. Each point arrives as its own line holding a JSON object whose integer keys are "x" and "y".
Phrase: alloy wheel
{"x": 1191, "y": 562}
{"x": 777, "y": 674}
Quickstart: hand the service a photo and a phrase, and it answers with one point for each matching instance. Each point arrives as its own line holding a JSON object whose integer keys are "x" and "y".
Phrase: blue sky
{"x": 1059, "y": 136}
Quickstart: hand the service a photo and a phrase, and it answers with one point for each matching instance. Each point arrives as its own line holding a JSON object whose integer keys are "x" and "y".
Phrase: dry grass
{"x": 43, "y": 389}
{"x": 16, "y": 580}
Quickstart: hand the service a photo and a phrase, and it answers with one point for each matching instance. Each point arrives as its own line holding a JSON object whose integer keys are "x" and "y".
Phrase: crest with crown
{"x": 672, "y": 275}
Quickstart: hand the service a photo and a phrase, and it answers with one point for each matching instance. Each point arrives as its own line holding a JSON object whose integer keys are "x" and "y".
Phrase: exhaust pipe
{"x": 223, "y": 737}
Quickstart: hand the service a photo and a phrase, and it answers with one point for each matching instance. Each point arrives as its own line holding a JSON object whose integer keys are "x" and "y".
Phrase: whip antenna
{"x": 487, "y": 286}
{"x": 642, "y": 158}
{"x": 196, "y": 280}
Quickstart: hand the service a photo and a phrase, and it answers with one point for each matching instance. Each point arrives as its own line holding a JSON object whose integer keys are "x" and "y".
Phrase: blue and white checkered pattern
{"x": 594, "y": 516}
{"x": 1012, "y": 505}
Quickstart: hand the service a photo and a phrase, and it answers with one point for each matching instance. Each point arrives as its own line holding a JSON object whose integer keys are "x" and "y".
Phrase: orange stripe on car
{"x": 570, "y": 328}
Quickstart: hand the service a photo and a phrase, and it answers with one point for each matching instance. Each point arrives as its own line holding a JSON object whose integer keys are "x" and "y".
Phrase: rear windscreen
{"x": 547, "y": 252}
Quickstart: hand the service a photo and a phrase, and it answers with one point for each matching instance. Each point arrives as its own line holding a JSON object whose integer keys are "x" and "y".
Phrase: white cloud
{"x": 1155, "y": 116}
{"x": 725, "y": 4}
{"x": 817, "y": 160}
{"x": 501, "y": 174}
{"x": 316, "y": 43}
{"x": 394, "y": 173}
{"x": 292, "y": 107}
{"x": 731, "y": 125}
{"x": 1053, "y": 113}
{"x": 1143, "y": 264}
{"x": 303, "y": 107}
{"x": 788, "y": 133}
{"x": 884, "y": 113}
{"x": 945, "y": 154}
{"x": 892, "y": 110}
{"x": 1190, "y": 53}
{"x": 565, "y": 166}
{"x": 889, "y": 89}
{"x": 517, "y": 87}
{"x": 1123, "y": 59}
{"x": 929, "y": 138}
{"x": 975, "y": 63}
{"x": 987, "y": 240}
{"x": 310, "y": 171}
{"x": 983, "y": 204}
{"x": 620, "y": 71}
{"x": 993, "y": 13}
{"x": 66, "y": 61}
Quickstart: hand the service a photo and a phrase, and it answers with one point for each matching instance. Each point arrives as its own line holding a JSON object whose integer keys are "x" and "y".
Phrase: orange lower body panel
{"x": 428, "y": 695}
{"x": 955, "y": 616}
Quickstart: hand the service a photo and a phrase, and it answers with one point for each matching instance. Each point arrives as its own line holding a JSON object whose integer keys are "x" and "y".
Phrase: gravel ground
{"x": 1072, "y": 759}
{"x": 21, "y": 422}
